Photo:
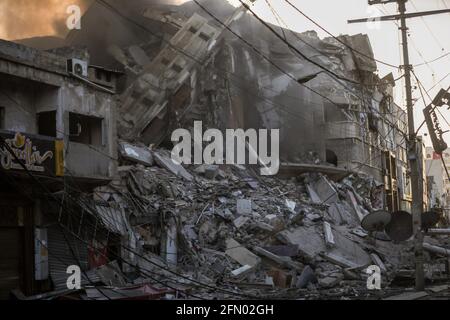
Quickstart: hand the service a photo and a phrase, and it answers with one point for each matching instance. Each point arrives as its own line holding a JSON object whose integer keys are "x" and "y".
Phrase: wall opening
{"x": 47, "y": 124}
{"x": 331, "y": 157}
{"x": 86, "y": 129}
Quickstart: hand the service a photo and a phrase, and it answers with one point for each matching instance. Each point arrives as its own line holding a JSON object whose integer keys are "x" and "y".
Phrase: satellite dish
{"x": 376, "y": 221}
{"x": 429, "y": 219}
{"x": 401, "y": 227}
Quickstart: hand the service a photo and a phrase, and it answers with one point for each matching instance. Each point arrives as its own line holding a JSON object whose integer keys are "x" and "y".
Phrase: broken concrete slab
{"x": 244, "y": 206}
{"x": 313, "y": 194}
{"x": 377, "y": 260}
{"x": 275, "y": 221}
{"x": 241, "y": 221}
{"x": 211, "y": 171}
{"x": 283, "y": 251}
{"x": 264, "y": 226}
{"x": 437, "y": 289}
{"x": 242, "y": 271}
{"x": 282, "y": 261}
{"x": 280, "y": 278}
{"x": 338, "y": 214}
{"x": 347, "y": 253}
{"x": 291, "y": 205}
{"x": 308, "y": 276}
{"x": 177, "y": 169}
{"x": 329, "y": 282}
{"x": 309, "y": 241}
{"x": 136, "y": 154}
{"x": 340, "y": 261}
{"x": 240, "y": 254}
{"x": 435, "y": 249}
{"x": 329, "y": 237}
{"x": 355, "y": 205}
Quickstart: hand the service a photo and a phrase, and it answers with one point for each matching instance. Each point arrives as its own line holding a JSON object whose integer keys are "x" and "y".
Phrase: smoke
{"x": 21, "y": 19}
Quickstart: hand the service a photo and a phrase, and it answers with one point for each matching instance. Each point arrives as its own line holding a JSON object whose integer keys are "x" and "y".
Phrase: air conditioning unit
{"x": 78, "y": 67}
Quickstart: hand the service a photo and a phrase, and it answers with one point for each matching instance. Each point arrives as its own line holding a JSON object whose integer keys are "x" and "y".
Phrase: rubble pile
{"x": 208, "y": 226}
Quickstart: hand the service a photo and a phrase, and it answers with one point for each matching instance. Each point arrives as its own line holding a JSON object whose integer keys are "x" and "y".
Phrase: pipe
{"x": 436, "y": 249}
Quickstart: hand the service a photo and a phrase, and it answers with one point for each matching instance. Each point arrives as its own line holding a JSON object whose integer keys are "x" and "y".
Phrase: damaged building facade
{"x": 182, "y": 66}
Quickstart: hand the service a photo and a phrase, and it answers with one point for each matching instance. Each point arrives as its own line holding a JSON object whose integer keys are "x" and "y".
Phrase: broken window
{"x": 86, "y": 129}
{"x": 204, "y": 36}
{"x": 47, "y": 124}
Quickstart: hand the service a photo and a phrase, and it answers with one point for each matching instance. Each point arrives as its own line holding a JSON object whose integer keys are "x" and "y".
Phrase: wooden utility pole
{"x": 413, "y": 156}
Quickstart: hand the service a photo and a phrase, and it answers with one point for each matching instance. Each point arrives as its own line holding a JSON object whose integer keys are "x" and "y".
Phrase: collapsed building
{"x": 144, "y": 226}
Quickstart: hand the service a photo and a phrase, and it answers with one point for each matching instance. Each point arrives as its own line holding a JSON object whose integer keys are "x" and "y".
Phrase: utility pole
{"x": 413, "y": 156}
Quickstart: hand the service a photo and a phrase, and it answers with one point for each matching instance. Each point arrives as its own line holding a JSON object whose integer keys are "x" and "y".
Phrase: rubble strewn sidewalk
{"x": 269, "y": 238}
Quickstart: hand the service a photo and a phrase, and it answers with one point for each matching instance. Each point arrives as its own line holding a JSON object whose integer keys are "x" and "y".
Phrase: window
{"x": 86, "y": 129}
{"x": 47, "y": 123}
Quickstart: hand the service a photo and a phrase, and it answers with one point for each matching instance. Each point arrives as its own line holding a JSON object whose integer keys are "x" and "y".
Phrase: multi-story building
{"x": 436, "y": 170}
{"x": 60, "y": 123}
{"x": 435, "y": 178}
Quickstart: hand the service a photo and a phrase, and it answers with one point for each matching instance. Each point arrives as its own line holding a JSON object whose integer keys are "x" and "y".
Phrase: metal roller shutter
{"x": 60, "y": 258}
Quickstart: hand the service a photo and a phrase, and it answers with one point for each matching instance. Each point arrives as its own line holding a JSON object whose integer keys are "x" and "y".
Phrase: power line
{"x": 201, "y": 63}
{"x": 294, "y": 48}
{"x": 434, "y": 60}
{"x": 267, "y": 58}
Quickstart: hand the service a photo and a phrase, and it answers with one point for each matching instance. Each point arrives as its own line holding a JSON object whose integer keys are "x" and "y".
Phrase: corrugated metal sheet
{"x": 114, "y": 219}
{"x": 60, "y": 258}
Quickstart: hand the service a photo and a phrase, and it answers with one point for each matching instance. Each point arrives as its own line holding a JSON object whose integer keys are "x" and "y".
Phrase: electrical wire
{"x": 293, "y": 47}
{"x": 338, "y": 39}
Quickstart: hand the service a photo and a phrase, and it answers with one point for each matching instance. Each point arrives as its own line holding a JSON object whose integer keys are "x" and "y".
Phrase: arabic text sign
{"x": 36, "y": 153}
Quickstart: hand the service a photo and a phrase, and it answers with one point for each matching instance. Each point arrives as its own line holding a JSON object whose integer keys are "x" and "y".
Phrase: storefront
{"x": 20, "y": 208}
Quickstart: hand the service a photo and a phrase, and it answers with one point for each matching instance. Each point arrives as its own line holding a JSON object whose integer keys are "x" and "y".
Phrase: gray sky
{"x": 429, "y": 37}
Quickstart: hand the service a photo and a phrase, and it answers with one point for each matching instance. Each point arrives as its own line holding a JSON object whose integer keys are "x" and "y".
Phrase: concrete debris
{"x": 307, "y": 277}
{"x": 242, "y": 271}
{"x": 435, "y": 249}
{"x": 279, "y": 278}
{"x": 329, "y": 237}
{"x": 240, "y": 254}
{"x": 200, "y": 226}
{"x": 376, "y": 260}
{"x": 313, "y": 194}
{"x": 283, "y": 251}
{"x": 242, "y": 235}
{"x": 241, "y": 221}
{"x": 409, "y": 296}
{"x": 169, "y": 164}
{"x": 282, "y": 261}
{"x": 244, "y": 206}
{"x": 308, "y": 239}
{"x": 325, "y": 190}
